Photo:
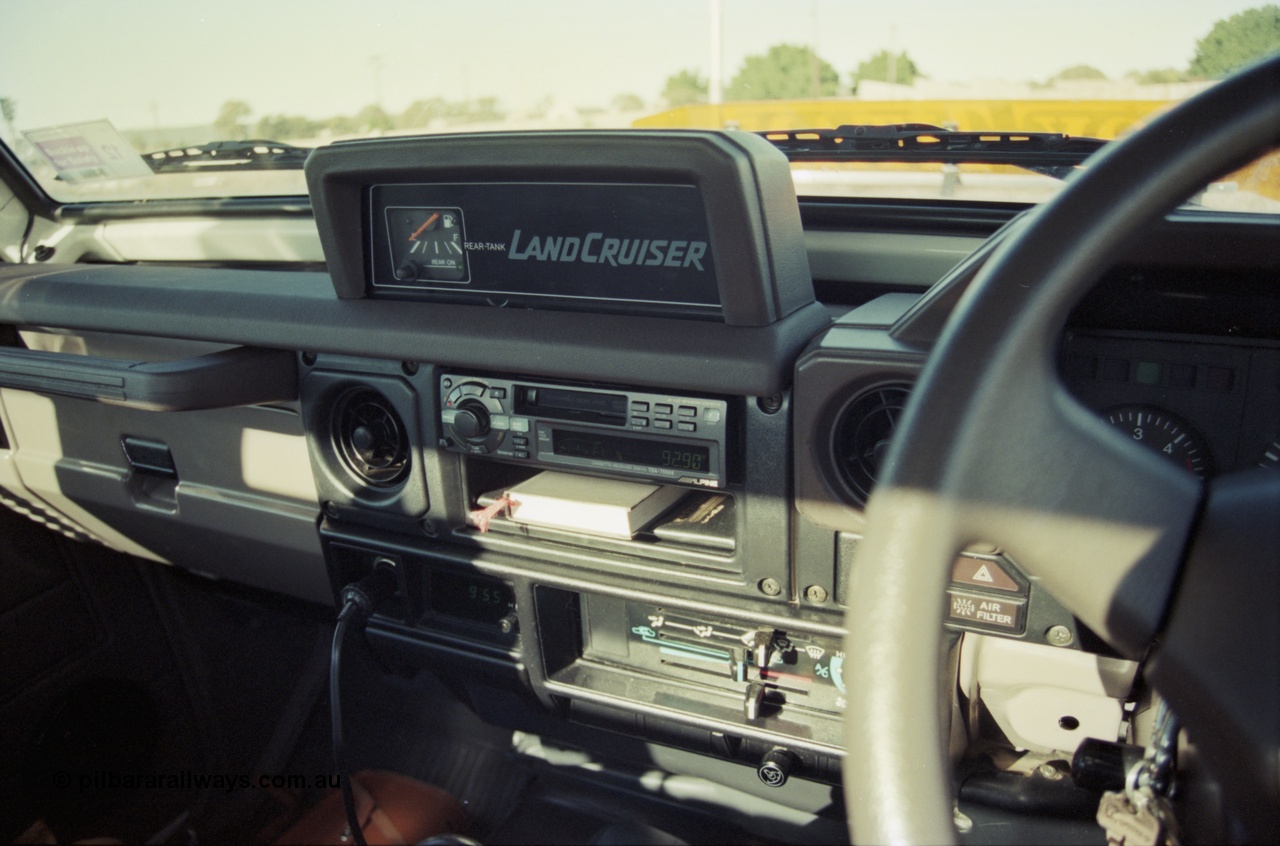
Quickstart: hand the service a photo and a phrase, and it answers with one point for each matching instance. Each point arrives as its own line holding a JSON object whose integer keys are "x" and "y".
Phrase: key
{"x": 1158, "y": 804}
{"x": 1127, "y": 823}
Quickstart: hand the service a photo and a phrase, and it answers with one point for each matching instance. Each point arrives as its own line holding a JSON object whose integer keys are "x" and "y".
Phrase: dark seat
{"x": 393, "y": 808}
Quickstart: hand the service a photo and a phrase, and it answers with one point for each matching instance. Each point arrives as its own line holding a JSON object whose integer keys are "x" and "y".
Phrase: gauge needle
{"x": 424, "y": 226}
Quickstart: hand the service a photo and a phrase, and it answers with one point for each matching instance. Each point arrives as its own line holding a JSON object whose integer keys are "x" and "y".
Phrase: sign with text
{"x": 87, "y": 152}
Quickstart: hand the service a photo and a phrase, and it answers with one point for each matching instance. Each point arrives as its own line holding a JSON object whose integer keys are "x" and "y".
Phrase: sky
{"x": 145, "y": 63}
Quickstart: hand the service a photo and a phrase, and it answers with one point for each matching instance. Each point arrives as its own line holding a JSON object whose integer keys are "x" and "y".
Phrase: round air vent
{"x": 370, "y": 438}
{"x": 863, "y": 431}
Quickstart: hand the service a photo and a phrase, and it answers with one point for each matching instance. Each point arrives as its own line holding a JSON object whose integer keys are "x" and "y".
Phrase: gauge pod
{"x": 427, "y": 244}
{"x": 1165, "y": 433}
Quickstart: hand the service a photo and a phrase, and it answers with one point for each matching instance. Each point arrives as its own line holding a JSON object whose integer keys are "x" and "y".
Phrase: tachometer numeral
{"x": 1165, "y": 433}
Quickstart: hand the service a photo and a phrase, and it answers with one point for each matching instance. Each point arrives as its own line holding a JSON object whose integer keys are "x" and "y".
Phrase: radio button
{"x": 662, "y": 408}
{"x": 500, "y": 422}
{"x": 522, "y": 453}
{"x": 519, "y": 424}
{"x": 639, "y": 406}
{"x": 711, "y": 415}
{"x": 642, "y": 422}
{"x": 519, "y": 441}
{"x": 662, "y": 424}
{"x": 686, "y": 426}
{"x": 498, "y": 393}
{"x": 688, "y": 411}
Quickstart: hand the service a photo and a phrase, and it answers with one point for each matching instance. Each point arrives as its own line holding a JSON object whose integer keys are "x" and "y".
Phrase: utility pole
{"x": 893, "y": 55}
{"x": 715, "y": 84}
{"x": 375, "y": 62}
{"x": 814, "y": 81}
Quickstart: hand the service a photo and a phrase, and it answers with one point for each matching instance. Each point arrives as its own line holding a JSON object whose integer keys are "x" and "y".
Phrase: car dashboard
{"x": 316, "y": 426}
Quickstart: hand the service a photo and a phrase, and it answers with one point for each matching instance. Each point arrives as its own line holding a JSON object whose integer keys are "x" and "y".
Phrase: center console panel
{"x": 681, "y": 260}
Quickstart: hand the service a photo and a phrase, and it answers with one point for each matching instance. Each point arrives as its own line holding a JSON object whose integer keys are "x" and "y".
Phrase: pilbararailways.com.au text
{"x": 187, "y": 780}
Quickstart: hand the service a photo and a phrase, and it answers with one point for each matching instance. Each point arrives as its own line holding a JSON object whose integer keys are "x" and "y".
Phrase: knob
{"x": 761, "y": 642}
{"x": 471, "y": 421}
{"x": 776, "y": 766}
{"x": 753, "y": 701}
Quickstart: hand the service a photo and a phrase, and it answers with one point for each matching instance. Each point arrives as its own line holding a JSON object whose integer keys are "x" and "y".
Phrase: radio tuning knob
{"x": 471, "y": 421}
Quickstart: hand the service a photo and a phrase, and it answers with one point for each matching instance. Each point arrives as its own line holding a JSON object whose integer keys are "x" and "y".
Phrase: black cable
{"x": 335, "y": 714}
{"x": 358, "y": 603}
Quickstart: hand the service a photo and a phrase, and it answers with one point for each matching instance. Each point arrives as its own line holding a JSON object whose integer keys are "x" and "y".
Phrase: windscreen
{"x": 151, "y": 99}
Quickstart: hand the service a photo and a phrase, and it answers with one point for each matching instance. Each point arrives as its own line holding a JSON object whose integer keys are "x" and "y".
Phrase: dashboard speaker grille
{"x": 862, "y": 434}
{"x": 370, "y": 438}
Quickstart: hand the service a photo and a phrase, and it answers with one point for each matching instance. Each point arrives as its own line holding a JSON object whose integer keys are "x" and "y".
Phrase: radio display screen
{"x": 674, "y": 455}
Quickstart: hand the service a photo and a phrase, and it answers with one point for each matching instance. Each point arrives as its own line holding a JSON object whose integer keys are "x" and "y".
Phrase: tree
{"x": 373, "y": 118}
{"x": 1079, "y": 72}
{"x": 1158, "y": 76}
{"x": 422, "y": 112}
{"x": 342, "y": 125}
{"x": 1236, "y": 41}
{"x": 627, "y": 103}
{"x": 286, "y": 128}
{"x": 684, "y": 87}
{"x": 229, "y": 122}
{"x": 485, "y": 109}
{"x": 786, "y": 72}
{"x": 887, "y": 67}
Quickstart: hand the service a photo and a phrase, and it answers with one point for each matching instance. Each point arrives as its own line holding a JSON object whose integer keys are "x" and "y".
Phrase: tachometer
{"x": 1166, "y": 433}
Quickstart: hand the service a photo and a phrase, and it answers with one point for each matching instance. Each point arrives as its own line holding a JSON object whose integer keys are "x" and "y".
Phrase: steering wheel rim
{"x": 988, "y": 422}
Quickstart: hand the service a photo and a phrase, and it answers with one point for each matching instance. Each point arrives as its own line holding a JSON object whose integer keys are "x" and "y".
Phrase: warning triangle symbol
{"x": 983, "y": 575}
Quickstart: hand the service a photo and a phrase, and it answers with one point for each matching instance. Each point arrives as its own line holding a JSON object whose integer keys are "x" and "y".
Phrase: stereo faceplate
{"x": 661, "y": 437}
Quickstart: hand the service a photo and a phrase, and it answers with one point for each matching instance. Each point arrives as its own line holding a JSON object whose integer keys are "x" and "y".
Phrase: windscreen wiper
{"x": 254, "y": 154}
{"x": 1050, "y": 153}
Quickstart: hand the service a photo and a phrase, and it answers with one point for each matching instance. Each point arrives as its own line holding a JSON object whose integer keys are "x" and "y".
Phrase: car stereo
{"x": 659, "y": 437}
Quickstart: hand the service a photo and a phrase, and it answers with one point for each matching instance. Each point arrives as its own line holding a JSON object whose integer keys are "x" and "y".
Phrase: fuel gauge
{"x": 427, "y": 244}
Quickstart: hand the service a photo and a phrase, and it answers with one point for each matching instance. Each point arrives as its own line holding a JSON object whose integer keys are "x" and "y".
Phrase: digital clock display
{"x": 643, "y": 451}
{"x": 478, "y": 599}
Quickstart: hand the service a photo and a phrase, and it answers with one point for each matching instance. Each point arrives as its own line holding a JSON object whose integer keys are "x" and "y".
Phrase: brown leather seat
{"x": 394, "y": 809}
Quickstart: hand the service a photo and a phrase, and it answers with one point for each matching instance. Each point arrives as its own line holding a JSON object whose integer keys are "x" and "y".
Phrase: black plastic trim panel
{"x": 923, "y": 217}
{"x": 23, "y": 185}
{"x": 224, "y": 379}
{"x": 754, "y": 231}
{"x": 298, "y": 311}
{"x": 299, "y": 206}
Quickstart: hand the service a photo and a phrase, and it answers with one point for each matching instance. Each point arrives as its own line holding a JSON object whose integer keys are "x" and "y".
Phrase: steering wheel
{"x": 992, "y": 448}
